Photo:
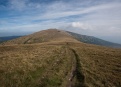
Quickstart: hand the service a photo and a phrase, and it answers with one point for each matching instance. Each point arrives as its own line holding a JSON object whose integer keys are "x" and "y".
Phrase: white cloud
{"x": 81, "y": 25}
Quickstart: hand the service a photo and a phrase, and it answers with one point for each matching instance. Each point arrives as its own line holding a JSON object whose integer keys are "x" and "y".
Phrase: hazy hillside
{"x": 94, "y": 40}
{"x": 2, "y": 39}
{"x": 53, "y": 58}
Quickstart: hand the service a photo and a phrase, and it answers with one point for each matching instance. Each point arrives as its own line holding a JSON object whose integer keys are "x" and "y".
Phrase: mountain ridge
{"x": 42, "y": 36}
{"x": 56, "y": 34}
{"x": 94, "y": 40}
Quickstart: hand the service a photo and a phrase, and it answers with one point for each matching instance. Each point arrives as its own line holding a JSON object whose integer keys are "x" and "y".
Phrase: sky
{"x": 99, "y": 18}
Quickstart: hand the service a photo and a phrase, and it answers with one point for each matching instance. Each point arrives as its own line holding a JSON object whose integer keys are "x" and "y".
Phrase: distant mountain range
{"x": 6, "y": 38}
{"x": 94, "y": 40}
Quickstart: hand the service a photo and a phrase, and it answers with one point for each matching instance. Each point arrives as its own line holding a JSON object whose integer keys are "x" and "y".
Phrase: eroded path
{"x": 76, "y": 78}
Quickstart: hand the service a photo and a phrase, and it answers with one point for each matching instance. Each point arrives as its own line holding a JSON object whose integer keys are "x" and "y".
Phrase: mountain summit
{"x": 43, "y": 36}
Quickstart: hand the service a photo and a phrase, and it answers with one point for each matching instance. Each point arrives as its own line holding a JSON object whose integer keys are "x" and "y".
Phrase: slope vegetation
{"x": 58, "y": 61}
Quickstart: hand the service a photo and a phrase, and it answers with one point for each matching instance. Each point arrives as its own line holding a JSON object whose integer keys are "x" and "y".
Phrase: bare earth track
{"x": 76, "y": 73}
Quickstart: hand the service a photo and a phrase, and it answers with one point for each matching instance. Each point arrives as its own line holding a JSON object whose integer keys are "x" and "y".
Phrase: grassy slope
{"x": 34, "y": 65}
{"x": 101, "y": 66}
{"x": 59, "y": 63}
{"x": 52, "y": 65}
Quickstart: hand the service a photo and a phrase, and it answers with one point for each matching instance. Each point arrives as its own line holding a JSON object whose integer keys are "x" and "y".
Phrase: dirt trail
{"x": 76, "y": 73}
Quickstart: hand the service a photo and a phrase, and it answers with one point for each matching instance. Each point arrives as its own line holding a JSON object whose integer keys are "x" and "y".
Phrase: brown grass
{"x": 34, "y": 65}
{"x": 101, "y": 65}
{"x": 54, "y": 63}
